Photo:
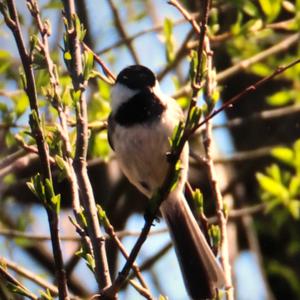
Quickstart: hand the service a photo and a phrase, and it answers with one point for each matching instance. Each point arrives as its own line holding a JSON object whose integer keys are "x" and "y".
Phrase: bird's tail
{"x": 200, "y": 269}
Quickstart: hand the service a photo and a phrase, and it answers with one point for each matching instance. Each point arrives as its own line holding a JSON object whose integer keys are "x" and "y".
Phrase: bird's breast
{"x": 141, "y": 152}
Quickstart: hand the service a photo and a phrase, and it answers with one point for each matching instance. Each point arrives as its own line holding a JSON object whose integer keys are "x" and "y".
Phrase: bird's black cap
{"x": 136, "y": 77}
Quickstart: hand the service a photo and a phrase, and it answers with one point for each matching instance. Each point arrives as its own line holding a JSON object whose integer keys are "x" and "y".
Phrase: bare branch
{"x": 113, "y": 235}
{"x": 80, "y": 165}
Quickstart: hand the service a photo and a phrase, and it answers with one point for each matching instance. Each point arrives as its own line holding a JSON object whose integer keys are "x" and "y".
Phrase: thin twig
{"x": 240, "y": 156}
{"x": 186, "y": 15}
{"x": 105, "y": 69}
{"x": 157, "y": 28}
{"x": 30, "y": 275}
{"x": 122, "y": 32}
{"x": 147, "y": 264}
{"x": 9, "y": 159}
{"x": 11, "y": 233}
{"x": 181, "y": 53}
{"x": 260, "y": 116}
{"x": 9, "y": 278}
{"x": 241, "y": 212}
{"x": 112, "y": 234}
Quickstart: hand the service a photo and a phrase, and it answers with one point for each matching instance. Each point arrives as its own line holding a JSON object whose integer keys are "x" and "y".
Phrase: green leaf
{"x": 294, "y": 208}
{"x": 177, "y": 135}
{"x": 30, "y": 185}
{"x": 296, "y": 148}
{"x": 198, "y": 200}
{"x": 273, "y": 187}
{"x": 75, "y": 96}
{"x": 82, "y": 218}
{"x": 17, "y": 289}
{"x": 250, "y": 9}
{"x": 294, "y": 187}
{"x": 271, "y": 8}
{"x": 214, "y": 20}
{"x": 101, "y": 214}
{"x": 215, "y": 234}
{"x": 104, "y": 89}
{"x": 236, "y": 27}
{"x": 194, "y": 117}
{"x": 90, "y": 262}
{"x": 21, "y": 104}
{"x": 49, "y": 188}
{"x": 46, "y": 295}
{"x": 274, "y": 172}
{"x": 56, "y": 200}
{"x": 284, "y": 154}
{"x": 88, "y": 64}
{"x": 261, "y": 69}
{"x": 176, "y": 176}
{"x": 39, "y": 187}
{"x": 169, "y": 39}
{"x": 67, "y": 55}
{"x": 252, "y": 26}
{"x": 60, "y": 162}
{"x": 281, "y": 98}
{"x": 193, "y": 65}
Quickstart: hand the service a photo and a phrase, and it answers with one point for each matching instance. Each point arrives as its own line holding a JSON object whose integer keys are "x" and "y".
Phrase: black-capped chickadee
{"x": 141, "y": 123}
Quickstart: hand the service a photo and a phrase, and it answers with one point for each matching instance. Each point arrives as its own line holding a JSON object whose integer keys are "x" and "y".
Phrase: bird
{"x": 140, "y": 125}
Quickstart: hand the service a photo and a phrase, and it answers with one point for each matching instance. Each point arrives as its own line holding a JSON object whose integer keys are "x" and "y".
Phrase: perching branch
{"x": 162, "y": 194}
{"x": 113, "y": 235}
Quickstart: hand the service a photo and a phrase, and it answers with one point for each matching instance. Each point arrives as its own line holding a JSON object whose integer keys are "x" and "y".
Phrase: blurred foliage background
{"x": 257, "y": 140}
